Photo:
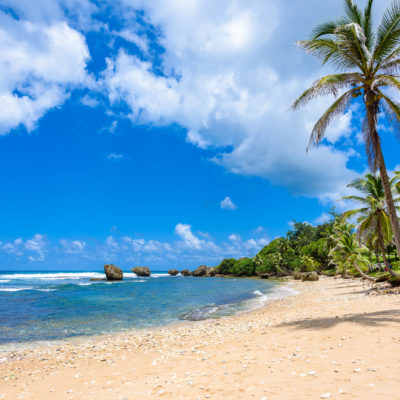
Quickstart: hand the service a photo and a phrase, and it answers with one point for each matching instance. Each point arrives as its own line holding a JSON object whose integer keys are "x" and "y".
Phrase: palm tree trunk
{"x": 382, "y": 246}
{"x": 372, "y": 115}
{"x": 389, "y": 198}
{"x": 370, "y": 278}
{"x": 378, "y": 260}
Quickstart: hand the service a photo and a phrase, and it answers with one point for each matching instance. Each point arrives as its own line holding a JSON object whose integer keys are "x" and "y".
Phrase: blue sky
{"x": 159, "y": 133}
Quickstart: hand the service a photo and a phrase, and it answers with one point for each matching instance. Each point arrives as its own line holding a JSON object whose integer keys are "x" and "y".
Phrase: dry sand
{"x": 334, "y": 340}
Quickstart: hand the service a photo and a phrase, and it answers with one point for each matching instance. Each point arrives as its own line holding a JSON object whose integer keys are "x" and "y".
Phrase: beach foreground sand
{"x": 333, "y": 340}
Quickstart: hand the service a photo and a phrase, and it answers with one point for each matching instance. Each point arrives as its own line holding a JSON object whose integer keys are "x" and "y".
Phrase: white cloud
{"x": 115, "y": 157}
{"x": 188, "y": 238}
{"x": 73, "y": 246}
{"x": 37, "y": 245}
{"x": 324, "y": 217}
{"x": 189, "y": 250}
{"x": 140, "y": 41}
{"x": 89, "y": 101}
{"x": 234, "y": 238}
{"x": 230, "y": 81}
{"x": 227, "y": 204}
{"x": 39, "y": 65}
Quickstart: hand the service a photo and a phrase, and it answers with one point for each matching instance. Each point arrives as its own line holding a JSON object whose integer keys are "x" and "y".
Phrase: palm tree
{"x": 348, "y": 253}
{"x": 374, "y": 228}
{"x": 368, "y": 61}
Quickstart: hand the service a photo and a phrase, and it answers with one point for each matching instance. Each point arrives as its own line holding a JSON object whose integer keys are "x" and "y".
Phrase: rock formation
{"x": 113, "y": 273}
{"x": 141, "y": 271}
{"x": 173, "y": 272}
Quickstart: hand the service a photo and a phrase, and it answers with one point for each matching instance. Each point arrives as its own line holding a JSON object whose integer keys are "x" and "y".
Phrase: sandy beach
{"x": 335, "y": 339}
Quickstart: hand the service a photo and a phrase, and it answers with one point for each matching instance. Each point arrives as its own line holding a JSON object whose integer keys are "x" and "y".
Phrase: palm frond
{"x": 351, "y": 213}
{"x": 352, "y": 12}
{"x": 388, "y": 35}
{"x": 386, "y": 80}
{"x": 328, "y": 50}
{"x": 367, "y": 25}
{"x": 327, "y": 28}
{"x": 392, "y": 109}
{"x": 352, "y": 41}
{"x": 356, "y": 198}
{"x": 328, "y": 85}
{"x": 337, "y": 108}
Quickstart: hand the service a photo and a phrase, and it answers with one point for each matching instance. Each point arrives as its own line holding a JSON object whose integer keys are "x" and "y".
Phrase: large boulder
{"x": 212, "y": 271}
{"x": 297, "y": 275}
{"x": 310, "y": 276}
{"x": 141, "y": 271}
{"x": 201, "y": 271}
{"x": 186, "y": 272}
{"x": 173, "y": 272}
{"x": 113, "y": 273}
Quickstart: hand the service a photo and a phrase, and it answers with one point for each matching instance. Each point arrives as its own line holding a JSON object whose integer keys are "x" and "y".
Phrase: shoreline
{"x": 332, "y": 339}
{"x": 17, "y": 347}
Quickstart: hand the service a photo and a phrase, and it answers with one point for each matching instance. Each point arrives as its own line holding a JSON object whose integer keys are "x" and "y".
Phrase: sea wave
{"x": 134, "y": 276}
{"x": 53, "y": 276}
{"x": 259, "y": 301}
{"x": 15, "y": 289}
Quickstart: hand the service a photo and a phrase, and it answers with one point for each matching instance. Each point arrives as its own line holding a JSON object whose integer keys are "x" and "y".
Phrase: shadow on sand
{"x": 378, "y": 318}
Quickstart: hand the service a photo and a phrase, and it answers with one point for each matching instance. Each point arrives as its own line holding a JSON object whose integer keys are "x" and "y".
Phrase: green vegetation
{"x": 336, "y": 247}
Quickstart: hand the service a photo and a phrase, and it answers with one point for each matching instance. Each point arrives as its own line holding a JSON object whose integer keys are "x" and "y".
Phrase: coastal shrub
{"x": 383, "y": 277}
{"x": 295, "y": 263}
{"x": 317, "y": 251}
{"x": 394, "y": 281}
{"x": 329, "y": 272}
{"x": 244, "y": 267}
{"x": 226, "y": 266}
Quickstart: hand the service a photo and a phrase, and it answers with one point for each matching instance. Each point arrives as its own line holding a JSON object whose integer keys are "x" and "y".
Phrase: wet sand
{"x": 334, "y": 340}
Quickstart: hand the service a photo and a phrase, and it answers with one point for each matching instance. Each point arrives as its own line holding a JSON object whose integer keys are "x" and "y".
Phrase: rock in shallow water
{"x": 141, "y": 271}
{"x": 200, "y": 271}
{"x": 173, "y": 272}
{"x": 113, "y": 273}
{"x": 186, "y": 272}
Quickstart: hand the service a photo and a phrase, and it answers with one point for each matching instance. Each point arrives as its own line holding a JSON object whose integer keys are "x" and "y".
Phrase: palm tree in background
{"x": 374, "y": 228}
{"x": 348, "y": 253}
{"x": 368, "y": 61}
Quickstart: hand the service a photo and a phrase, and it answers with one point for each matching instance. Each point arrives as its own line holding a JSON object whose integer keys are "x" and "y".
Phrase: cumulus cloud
{"x": 73, "y": 246}
{"x": 37, "y": 245}
{"x": 227, "y": 204}
{"x": 230, "y": 84}
{"x": 40, "y": 64}
{"x": 227, "y": 73}
{"x": 188, "y": 238}
{"x": 188, "y": 249}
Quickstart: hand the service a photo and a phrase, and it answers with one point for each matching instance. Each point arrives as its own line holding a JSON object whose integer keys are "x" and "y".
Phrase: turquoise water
{"x": 49, "y": 305}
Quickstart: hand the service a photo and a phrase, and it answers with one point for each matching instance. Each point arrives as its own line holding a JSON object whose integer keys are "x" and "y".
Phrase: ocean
{"x": 49, "y": 306}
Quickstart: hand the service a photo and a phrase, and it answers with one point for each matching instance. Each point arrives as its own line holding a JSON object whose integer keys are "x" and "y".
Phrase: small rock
{"x": 326, "y": 395}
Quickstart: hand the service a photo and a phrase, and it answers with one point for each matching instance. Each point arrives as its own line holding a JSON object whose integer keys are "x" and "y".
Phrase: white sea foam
{"x": 134, "y": 276}
{"x": 53, "y": 276}
{"x": 15, "y": 289}
{"x": 4, "y": 281}
{"x": 277, "y": 293}
{"x": 46, "y": 290}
